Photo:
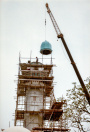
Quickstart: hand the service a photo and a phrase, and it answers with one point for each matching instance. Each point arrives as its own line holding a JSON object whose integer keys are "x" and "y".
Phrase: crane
{"x": 60, "y": 35}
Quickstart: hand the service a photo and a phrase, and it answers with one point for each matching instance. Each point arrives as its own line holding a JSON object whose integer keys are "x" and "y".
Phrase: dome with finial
{"x": 46, "y": 48}
{"x": 16, "y": 129}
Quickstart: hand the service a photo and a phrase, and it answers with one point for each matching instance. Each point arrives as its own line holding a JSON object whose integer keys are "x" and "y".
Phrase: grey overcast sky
{"x": 22, "y": 29}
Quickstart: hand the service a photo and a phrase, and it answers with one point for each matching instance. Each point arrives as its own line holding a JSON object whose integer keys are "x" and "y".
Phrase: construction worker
{"x": 36, "y": 59}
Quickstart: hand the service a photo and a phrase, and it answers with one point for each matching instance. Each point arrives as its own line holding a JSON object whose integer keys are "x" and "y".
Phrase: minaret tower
{"x": 36, "y": 107}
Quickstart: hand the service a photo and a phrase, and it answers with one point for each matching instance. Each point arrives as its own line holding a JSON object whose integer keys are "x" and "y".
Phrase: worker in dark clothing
{"x": 36, "y": 59}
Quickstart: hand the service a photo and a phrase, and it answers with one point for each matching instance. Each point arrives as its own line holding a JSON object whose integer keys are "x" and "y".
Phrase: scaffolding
{"x": 36, "y": 106}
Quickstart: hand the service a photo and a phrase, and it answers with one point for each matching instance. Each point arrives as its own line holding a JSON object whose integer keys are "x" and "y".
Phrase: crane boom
{"x": 60, "y": 35}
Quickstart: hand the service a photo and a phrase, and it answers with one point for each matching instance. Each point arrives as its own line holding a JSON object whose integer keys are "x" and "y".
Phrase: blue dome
{"x": 45, "y": 48}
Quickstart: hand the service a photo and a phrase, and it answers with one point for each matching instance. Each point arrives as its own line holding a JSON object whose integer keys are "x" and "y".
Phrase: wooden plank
{"x": 51, "y": 110}
{"x": 50, "y": 129}
{"x": 37, "y": 80}
{"x": 35, "y": 71}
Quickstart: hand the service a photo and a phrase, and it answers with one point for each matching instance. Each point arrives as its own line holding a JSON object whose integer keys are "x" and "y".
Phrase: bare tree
{"x": 78, "y": 110}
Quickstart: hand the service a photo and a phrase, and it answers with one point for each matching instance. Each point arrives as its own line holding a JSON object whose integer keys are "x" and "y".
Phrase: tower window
{"x": 34, "y": 98}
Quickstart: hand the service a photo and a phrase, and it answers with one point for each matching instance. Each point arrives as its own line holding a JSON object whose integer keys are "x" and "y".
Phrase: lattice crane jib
{"x": 60, "y": 35}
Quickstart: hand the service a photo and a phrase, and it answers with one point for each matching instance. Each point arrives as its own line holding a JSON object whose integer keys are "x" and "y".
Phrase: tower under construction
{"x": 36, "y": 106}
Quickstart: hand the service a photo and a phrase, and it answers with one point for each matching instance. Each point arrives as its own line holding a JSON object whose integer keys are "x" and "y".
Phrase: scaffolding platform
{"x": 49, "y": 129}
{"x": 57, "y": 105}
{"x": 35, "y": 77}
{"x": 22, "y": 89}
{"x": 20, "y": 114}
{"x": 52, "y": 114}
{"x": 34, "y": 64}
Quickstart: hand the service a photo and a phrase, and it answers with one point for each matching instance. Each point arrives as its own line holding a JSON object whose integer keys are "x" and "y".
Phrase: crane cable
{"x": 45, "y": 23}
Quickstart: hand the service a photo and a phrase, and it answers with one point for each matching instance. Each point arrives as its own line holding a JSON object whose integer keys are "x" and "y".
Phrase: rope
{"x": 45, "y": 23}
